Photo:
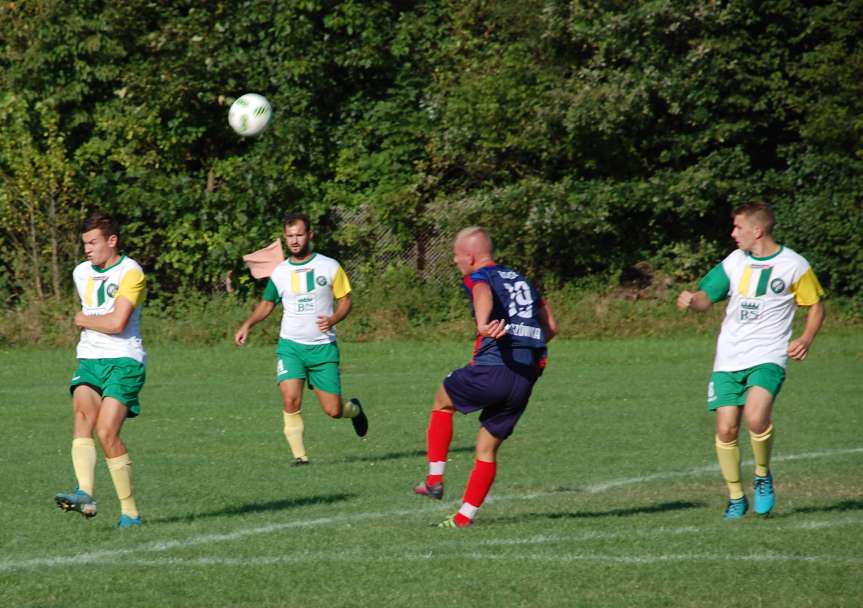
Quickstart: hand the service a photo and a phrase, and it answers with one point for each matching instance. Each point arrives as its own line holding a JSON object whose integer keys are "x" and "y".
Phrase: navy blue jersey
{"x": 517, "y": 302}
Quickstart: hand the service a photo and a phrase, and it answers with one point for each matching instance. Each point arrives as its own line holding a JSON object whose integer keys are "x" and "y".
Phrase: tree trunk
{"x": 55, "y": 246}
{"x": 36, "y": 262}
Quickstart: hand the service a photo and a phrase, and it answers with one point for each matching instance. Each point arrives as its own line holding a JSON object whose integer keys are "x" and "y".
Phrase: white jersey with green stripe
{"x": 763, "y": 296}
{"x": 307, "y": 291}
{"x": 98, "y": 289}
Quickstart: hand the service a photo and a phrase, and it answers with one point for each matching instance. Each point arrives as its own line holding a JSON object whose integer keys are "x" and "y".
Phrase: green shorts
{"x": 729, "y": 388}
{"x": 121, "y": 378}
{"x": 318, "y": 364}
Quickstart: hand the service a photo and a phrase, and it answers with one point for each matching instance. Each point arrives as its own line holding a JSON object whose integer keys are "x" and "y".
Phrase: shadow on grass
{"x": 845, "y": 505}
{"x": 664, "y": 507}
{"x": 400, "y": 455}
{"x": 257, "y": 507}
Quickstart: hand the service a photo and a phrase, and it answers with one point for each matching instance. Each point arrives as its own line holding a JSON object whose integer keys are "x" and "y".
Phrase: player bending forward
{"x": 764, "y": 283}
{"x": 513, "y": 326}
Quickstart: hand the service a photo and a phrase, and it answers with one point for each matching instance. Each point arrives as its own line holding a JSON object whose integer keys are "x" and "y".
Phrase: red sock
{"x": 477, "y": 489}
{"x": 438, "y": 438}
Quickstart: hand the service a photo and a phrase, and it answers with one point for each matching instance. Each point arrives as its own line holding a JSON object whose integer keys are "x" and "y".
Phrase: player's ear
{"x": 112, "y": 241}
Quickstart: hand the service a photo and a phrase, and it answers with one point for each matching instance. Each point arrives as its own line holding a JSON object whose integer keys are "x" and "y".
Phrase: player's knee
{"x": 442, "y": 401}
{"x": 727, "y": 432}
{"x": 759, "y": 427}
{"x": 83, "y": 417}
{"x": 486, "y": 454}
{"x": 109, "y": 439}
{"x": 292, "y": 403}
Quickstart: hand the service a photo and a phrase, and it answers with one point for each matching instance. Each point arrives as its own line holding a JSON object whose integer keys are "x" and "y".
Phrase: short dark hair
{"x": 292, "y": 217}
{"x": 104, "y": 222}
{"x": 758, "y": 211}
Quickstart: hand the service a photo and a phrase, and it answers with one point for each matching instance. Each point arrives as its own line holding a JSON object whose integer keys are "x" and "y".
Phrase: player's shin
{"x": 294, "y": 430}
{"x": 478, "y": 485}
{"x": 728, "y": 455}
{"x": 84, "y": 463}
{"x": 121, "y": 474}
{"x": 762, "y": 446}
{"x": 438, "y": 439}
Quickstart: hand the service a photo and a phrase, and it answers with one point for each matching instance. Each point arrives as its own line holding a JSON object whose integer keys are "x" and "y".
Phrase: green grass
{"x": 607, "y": 494}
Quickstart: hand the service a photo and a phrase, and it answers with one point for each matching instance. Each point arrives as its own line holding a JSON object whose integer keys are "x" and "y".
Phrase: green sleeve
{"x": 271, "y": 294}
{"x": 715, "y": 284}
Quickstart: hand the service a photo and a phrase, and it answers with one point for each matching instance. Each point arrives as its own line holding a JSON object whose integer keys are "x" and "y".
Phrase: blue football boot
{"x": 129, "y": 522}
{"x": 78, "y": 501}
{"x": 765, "y": 497}
{"x": 737, "y": 508}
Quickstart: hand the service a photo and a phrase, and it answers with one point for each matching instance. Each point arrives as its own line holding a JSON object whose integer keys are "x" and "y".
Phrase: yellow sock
{"x": 84, "y": 463}
{"x": 294, "y": 429}
{"x": 762, "y": 446}
{"x": 121, "y": 473}
{"x": 728, "y": 455}
{"x": 350, "y": 409}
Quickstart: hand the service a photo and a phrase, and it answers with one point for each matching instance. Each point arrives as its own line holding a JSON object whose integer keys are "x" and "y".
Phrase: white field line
{"x": 604, "y": 486}
{"x": 110, "y": 555}
{"x": 171, "y": 562}
{"x": 588, "y": 536}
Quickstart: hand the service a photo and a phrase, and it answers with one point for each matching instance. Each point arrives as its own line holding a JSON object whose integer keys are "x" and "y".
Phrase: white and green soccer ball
{"x": 250, "y": 114}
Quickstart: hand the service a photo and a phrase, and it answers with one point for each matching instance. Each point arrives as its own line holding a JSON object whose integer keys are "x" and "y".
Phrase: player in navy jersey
{"x": 513, "y": 326}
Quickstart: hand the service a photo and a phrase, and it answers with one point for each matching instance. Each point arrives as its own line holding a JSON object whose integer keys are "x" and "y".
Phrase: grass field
{"x": 607, "y": 495}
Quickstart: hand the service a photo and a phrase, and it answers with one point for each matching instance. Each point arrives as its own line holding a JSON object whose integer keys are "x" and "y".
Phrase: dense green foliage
{"x": 590, "y": 136}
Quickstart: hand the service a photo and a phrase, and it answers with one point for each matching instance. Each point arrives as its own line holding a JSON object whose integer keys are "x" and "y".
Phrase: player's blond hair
{"x": 476, "y": 232}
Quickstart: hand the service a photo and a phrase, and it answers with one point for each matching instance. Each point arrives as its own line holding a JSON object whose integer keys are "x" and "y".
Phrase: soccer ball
{"x": 250, "y": 114}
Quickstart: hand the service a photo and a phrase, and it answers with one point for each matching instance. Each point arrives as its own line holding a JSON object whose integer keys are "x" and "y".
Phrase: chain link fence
{"x": 370, "y": 246}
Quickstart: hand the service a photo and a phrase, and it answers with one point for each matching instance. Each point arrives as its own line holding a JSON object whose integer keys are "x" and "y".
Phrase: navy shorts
{"x": 499, "y": 391}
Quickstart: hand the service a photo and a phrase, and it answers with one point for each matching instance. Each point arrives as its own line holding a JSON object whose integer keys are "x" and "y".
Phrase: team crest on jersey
{"x": 111, "y": 290}
{"x": 777, "y": 285}
{"x": 321, "y": 281}
{"x": 749, "y": 310}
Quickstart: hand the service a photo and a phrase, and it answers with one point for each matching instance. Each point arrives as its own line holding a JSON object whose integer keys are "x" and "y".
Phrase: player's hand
{"x": 685, "y": 299}
{"x": 325, "y": 324}
{"x": 80, "y": 319}
{"x": 494, "y": 329}
{"x": 798, "y": 349}
{"x": 241, "y": 335}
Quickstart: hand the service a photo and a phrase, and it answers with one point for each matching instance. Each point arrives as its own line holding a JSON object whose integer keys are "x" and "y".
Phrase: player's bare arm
{"x": 112, "y": 323}
{"x": 483, "y": 305}
{"x": 547, "y": 320}
{"x": 325, "y": 323}
{"x": 799, "y": 348}
{"x": 693, "y": 300}
{"x": 261, "y": 312}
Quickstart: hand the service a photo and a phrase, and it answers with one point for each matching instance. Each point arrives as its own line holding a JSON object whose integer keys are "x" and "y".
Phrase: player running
{"x": 307, "y": 284}
{"x": 513, "y": 326}
{"x": 764, "y": 282}
{"x": 111, "y": 366}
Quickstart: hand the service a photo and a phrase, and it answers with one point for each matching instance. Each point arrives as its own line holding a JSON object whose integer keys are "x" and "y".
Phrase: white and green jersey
{"x": 763, "y": 295}
{"x": 99, "y": 289}
{"x": 306, "y": 291}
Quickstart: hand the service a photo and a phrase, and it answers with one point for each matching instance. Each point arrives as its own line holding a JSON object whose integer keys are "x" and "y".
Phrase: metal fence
{"x": 371, "y": 246}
